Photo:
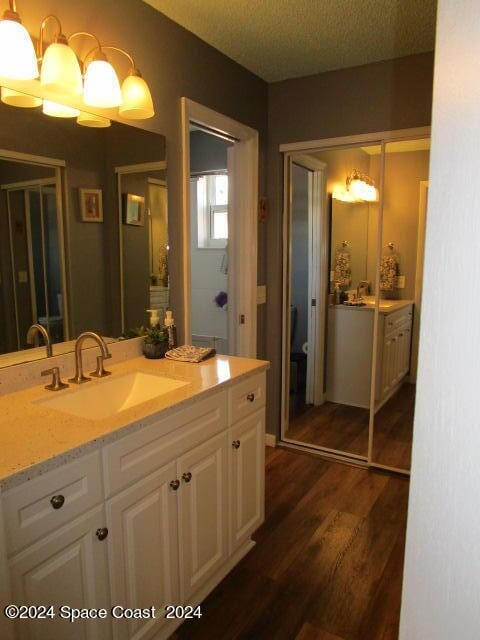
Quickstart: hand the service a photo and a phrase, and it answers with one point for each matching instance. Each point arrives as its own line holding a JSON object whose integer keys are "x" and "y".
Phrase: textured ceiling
{"x": 279, "y": 39}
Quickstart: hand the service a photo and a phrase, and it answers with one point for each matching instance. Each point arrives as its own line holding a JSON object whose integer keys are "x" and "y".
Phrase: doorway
{"x": 240, "y": 263}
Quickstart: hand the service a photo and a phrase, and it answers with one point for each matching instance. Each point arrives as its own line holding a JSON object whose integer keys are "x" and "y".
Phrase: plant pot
{"x": 154, "y": 351}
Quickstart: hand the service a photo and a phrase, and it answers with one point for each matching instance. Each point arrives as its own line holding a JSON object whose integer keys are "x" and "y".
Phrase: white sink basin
{"x": 101, "y": 399}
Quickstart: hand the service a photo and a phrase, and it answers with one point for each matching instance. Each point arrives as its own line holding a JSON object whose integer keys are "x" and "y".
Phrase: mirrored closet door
{"x": 400, "y": 265}
{"x": 331, "y": 300}
{"x": 354, "y": 237}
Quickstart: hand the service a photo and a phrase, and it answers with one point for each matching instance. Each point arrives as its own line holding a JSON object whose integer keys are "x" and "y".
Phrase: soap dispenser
{"x": 171, "y": 329}
{"x": 154, "y": 317}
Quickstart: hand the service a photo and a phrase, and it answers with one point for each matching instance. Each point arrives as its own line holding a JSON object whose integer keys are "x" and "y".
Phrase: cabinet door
{"x": 202, "y": 513}
{"x": 388, "y": 365}
{"x": 69, "y": 567}
{"x": 142, "y": 522}
{"x": 247, "y": 477}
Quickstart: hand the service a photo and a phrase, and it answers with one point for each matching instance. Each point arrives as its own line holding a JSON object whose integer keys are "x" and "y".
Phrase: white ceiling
{"x": 279, "y": 39}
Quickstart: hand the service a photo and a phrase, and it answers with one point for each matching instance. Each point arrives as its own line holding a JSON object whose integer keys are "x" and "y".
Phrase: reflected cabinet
{"x": 353, "y": 257}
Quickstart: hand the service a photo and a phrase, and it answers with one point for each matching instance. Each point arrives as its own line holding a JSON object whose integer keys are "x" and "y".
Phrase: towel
{"x": 189, "y": 353}
{"x": 343, "y": 269}
{"x": 389, "y": 270}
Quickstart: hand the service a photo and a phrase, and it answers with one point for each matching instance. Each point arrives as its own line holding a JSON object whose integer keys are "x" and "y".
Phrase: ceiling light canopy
{"x": 17, "y": 54}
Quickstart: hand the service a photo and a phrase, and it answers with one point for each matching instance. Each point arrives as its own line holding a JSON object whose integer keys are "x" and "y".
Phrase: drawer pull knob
{"x": 101, "y": 533}
{"x": 186, "y": 477}
{"x": 174, "y": 484}
{"x": 57, "y": 501}
{"x": 251, "y": 397}
{"x": 236, "y": 444}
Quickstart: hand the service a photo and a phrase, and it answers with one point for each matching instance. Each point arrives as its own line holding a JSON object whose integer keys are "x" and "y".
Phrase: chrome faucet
{"x": 362, "y": 284}
{"x": 79, "y": 378}
{"x": 38, "y": 328}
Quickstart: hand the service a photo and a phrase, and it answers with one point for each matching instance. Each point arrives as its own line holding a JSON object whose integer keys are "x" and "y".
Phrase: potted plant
{"x": 155, "y": 342}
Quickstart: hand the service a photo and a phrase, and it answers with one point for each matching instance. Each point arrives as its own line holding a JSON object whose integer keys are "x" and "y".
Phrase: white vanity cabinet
{"x": 56, "y": 547}
{"x": 393, "y": 352}
{"x": 157, "y": 517}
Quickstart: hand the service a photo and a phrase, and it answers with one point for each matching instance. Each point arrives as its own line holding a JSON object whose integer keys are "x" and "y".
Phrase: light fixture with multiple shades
{"x": 359, "y": 188}
{"x": 65, "y": 78}
{"x": 17, "y": 54}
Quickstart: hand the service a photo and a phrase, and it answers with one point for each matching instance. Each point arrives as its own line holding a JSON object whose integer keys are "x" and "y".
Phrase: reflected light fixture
{"x": 60, "y": 70}
{"x": 18, "y": 99}
{"x": 91, "y": 120}
{"x": 57, "y": 110}
{"x": 17, "y": 53}
{"x": 359, "y": 188}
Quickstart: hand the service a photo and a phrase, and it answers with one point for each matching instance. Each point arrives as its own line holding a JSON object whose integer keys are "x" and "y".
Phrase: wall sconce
{"x": 61, "y": 74}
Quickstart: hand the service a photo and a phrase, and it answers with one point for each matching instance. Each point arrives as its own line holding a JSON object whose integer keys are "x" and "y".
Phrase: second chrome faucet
{"x": 100, "y": 372}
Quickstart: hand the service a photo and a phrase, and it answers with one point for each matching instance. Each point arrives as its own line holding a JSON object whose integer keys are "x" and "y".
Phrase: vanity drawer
{"x": 246, "y": 397}
{"x": 398, "y": 320}
{"x": 138, "y": 454}
{"x": 40, "y": 506}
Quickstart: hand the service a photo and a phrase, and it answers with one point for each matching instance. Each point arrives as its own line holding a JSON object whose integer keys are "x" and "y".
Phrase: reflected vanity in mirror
{"x": 73, "y": 256}
{"x": 406, "y": 167}
{"x": 353, "y": 299}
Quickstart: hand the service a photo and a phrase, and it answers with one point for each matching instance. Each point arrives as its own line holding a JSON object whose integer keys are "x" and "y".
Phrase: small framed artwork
{"x": 133, "y": 209}
{"x": 91, "y": 205}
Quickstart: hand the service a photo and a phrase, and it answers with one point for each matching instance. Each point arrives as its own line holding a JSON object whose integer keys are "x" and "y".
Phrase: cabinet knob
{"x": 251, "y": 397}
{"x": 101, "y": 533}
{"x": 174, "y": 484}
{"x": 236, "y": 444}
{"x": 187, "y": 476}
{"x": 401, "y": 335}
{"x": 57, "y": 501}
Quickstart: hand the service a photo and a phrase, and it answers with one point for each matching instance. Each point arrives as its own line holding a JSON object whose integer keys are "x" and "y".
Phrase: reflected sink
{"x": 101, "y": 399}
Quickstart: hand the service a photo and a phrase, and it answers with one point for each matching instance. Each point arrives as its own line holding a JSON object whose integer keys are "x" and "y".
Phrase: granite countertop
{"x": 386, "y": 306}
{"x": 35, "y": 438}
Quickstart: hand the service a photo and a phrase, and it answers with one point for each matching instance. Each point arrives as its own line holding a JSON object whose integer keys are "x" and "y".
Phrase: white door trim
{"x": 243, "y": 246}
{"x": 313, "y": 145}
{"x": 318, "y": 228}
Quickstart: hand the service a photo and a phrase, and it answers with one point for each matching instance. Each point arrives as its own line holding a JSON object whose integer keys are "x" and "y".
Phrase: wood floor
{"x": 345, "y": 428}
{"x": 328, "y": 560}
{"x": 335, "y": 426}
{"x": 393, "y": 430}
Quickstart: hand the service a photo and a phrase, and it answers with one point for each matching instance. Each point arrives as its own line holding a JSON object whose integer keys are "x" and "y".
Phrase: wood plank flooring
{"x": 328, "y": 561}
{"x": 393, "y": 431}
{"x": 331, "y": 425}
{"x": 345, "y": 428}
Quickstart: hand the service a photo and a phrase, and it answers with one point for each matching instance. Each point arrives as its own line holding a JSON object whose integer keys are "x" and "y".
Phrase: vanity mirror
{"x": 70, "y": 257}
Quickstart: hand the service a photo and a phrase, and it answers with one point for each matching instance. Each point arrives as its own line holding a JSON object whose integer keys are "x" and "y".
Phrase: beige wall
{"x": 377, "y": 97}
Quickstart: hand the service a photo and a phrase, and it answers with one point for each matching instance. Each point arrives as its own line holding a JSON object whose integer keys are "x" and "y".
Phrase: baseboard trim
{"x": 270, "y": 440}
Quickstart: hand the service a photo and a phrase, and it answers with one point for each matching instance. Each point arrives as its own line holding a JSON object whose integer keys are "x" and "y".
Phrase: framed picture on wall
{"x": 91, "y": 205}
{"x": 133, "y": 209}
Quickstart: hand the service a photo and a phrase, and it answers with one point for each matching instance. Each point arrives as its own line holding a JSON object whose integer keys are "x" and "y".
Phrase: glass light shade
{"x": 101, "y": 87}
{"x": 89, "y": 120}
{"x": 357, "y": 188}
{"x": 343, "y": 196}
{"x": 137, "y": 103}
{"x": 371, "y": 193}
{"x": 60, "y": 70}
{"x": 17, "y": 99}
{"x": 17, "y": 54}
{"x": 57, "y": 110}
